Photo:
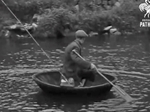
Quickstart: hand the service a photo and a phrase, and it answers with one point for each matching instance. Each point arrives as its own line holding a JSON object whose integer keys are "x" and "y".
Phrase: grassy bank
{"x": 56, "y": 14}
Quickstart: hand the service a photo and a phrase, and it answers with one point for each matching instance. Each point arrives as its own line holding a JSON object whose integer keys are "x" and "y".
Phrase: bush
{"x": 125, "y": 18}
{"x": 55, "y": 20}
{"x": 55, "y": 14}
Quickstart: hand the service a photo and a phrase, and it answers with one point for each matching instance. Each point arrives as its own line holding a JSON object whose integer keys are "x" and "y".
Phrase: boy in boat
{"x": 73, "y": 66}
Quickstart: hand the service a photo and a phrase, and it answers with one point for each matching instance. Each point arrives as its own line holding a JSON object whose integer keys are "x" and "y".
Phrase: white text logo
{"x": 145, "y": 7}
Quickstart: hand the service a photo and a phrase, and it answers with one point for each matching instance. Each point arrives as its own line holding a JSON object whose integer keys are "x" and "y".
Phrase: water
{"x": 127, "y": 57}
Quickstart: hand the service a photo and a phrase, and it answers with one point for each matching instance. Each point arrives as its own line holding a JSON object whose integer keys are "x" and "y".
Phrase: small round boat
{"x": 50, "y": 82}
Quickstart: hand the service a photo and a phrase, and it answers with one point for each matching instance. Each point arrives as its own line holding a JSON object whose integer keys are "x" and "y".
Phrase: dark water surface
{"x": 127, "y": 57}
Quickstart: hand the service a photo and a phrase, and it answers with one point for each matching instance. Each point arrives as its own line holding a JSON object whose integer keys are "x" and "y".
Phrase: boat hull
{"x": 50, "y": 82}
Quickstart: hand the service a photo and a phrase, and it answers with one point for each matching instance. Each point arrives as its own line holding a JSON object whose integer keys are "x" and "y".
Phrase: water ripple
{"x": 126, "y": 59}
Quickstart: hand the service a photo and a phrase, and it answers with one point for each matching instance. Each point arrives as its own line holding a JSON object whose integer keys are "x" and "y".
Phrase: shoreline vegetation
{"x": 57, "y": 17}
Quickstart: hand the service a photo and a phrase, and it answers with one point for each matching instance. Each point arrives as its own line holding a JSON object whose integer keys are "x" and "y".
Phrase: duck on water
{"x": 109, "y": 29}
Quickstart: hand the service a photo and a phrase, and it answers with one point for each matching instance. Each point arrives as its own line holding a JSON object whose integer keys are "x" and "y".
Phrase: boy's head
{"x": 81, "y": 34}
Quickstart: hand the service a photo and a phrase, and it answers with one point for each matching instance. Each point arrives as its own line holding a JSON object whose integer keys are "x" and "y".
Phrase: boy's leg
{"x": 87, "y": 74}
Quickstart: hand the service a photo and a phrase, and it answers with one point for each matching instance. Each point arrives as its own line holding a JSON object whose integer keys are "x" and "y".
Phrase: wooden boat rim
{"x": 89, "y": 87}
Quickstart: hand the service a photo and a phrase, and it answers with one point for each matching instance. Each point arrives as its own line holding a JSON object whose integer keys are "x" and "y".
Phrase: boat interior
{"x": 53, "y": 78}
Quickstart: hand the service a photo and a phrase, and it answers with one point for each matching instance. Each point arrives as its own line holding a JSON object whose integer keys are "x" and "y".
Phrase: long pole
{"x": 25, "y": 28}
{"x": 30, "y": 35}
{"x": 116, "y": 88}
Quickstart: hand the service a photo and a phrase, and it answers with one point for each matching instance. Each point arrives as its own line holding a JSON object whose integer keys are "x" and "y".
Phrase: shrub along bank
{"x": 55, "y": 16}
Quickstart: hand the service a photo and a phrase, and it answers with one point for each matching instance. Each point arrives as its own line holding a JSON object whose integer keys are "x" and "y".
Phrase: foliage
{"x": 55, "y": 14}
{"x": 55, "y": 20}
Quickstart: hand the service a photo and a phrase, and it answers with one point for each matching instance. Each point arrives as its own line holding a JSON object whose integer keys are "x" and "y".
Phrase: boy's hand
{"x": 93, "y": 66}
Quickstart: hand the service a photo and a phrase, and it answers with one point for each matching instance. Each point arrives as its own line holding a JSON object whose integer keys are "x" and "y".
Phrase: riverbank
{"x": 54, "y": 17}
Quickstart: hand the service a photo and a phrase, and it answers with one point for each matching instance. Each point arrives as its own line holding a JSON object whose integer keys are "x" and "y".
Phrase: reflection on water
{"x": 126, "y": 57}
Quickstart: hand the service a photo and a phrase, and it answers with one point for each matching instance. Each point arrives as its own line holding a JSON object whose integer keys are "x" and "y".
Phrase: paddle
{"x": 120, "y": 91}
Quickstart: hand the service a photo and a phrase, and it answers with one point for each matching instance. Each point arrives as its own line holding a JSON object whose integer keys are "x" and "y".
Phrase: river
{"x": 127, "y": 57}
